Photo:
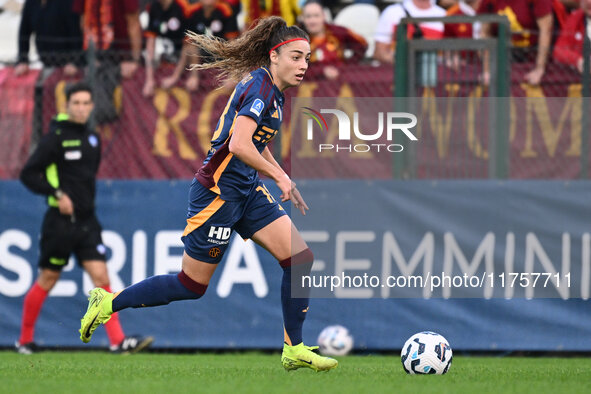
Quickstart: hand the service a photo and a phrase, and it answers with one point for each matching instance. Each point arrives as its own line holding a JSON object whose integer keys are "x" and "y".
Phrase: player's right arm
{"x": 243, "y": 148}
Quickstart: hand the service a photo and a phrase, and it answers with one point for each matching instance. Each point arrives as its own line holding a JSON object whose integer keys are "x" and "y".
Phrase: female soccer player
{"x": 227, "y": 193}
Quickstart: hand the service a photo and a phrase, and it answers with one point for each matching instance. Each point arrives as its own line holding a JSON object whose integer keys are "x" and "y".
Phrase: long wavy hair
{"x": 249, "y": 51}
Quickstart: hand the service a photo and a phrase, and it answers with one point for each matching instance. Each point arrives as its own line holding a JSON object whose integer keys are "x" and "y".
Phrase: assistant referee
{"x": 64, "y": 168}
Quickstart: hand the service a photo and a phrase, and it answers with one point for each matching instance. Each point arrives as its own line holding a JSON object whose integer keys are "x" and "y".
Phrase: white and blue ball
{"x": 335, "y": 341}
{"x": 426, "y": 353}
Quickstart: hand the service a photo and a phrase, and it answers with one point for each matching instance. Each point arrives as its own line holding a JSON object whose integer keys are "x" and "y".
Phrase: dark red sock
{"x": 31, "y": 308}
{"x": 113, "y": 326}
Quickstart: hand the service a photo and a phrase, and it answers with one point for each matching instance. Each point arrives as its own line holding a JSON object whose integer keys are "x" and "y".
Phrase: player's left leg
{"x": 284, "y": 242}
{"x": 97, "y": 270}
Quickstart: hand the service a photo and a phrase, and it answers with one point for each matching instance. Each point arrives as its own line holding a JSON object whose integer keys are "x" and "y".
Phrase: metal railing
{"x": 416, "y": 58}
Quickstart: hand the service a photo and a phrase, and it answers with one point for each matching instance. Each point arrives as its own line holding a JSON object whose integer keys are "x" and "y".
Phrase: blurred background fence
{"x": 536, "y": 131}
{"x": 504, "y": 127}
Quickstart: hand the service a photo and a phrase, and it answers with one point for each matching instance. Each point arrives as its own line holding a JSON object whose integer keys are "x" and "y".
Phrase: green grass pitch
{"x": 99, "y": 372}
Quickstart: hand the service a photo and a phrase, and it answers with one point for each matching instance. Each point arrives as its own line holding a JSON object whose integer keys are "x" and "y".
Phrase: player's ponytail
{"x": 249, "y": 51}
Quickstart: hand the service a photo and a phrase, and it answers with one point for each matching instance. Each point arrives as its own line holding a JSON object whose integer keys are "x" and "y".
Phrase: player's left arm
{"x": 296, "y": 197}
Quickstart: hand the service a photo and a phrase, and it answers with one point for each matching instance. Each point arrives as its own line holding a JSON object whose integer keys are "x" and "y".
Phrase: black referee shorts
{"x": 60, "y": 237}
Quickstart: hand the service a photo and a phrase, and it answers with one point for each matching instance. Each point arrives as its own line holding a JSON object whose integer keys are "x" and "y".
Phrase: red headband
{"x": 286, "y": 42}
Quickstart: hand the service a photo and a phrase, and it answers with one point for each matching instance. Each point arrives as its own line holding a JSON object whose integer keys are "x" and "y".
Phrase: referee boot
{"x": 132, "y": 344}
{"x": 26, "y": 348}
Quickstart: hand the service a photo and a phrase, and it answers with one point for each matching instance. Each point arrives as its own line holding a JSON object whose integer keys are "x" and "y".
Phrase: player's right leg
{"x": 284, "y": 242}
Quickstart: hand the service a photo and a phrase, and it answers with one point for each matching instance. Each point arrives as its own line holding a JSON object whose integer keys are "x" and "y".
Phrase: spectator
{"x": 330, "y": 43}
{"x": 570, "y": 5}
{"x": 463, "y": 30}
{"x": 167, "y": 19}
{"x": 213, "y": 17}
{"x": 447, "y": 4}
{"x": 569, "y": 47}
{"x": 210, "y": 17}
{"x": 236, "y": 6}
{"x": 57, "y": 35}
{"x": 255, "y": 9}
{"x": 531, "y": 25}
{"x": 390, "y": 18}
{"x": 560, "y": 13}
{"x": 113, "y": 26}
{"x": 334, "y": 6}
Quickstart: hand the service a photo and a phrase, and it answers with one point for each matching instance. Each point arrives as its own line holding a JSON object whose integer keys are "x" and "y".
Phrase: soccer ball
{"x": 335, "y": 341}
{"x": 426, "y": 353}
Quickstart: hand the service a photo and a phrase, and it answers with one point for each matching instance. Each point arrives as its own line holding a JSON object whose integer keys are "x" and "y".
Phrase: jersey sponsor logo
{"x": 92, "y": 140}
{"x": 219, "y": 235}
{"x": 217, "y": 242}
{"x": 73, "y": 155}
{"x": 257, "y": 107}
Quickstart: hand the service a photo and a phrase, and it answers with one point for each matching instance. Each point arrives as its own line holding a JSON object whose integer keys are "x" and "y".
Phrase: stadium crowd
{"x": 542, "y": 31}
